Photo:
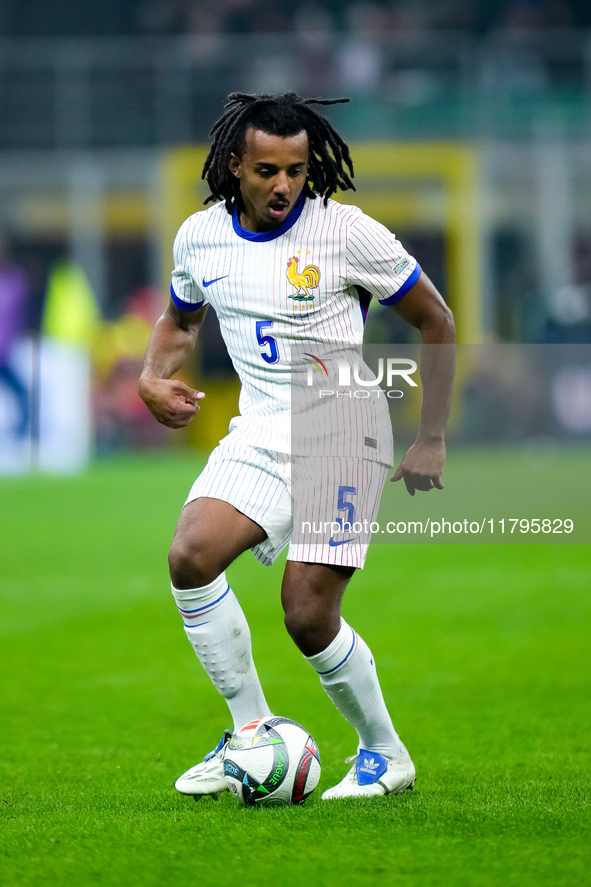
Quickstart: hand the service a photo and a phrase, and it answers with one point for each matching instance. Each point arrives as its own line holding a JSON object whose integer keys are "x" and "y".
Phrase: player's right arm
{"x": 172, "y": 341}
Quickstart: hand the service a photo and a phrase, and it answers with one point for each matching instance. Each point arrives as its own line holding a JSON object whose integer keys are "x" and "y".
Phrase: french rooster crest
{"x": 304, "y": 280}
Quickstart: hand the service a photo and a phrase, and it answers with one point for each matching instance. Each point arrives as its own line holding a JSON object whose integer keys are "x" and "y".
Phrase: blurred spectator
{"x": 504, "y": 393}
{"x": 122, "y": 420}
{"x": 523, "y": 14}
{"x": 569, "y": 313}
{"x": 239, "y": 16}
{"x": 409, "y": 15}
{"x": 360, "y": 59}
{"x": 536, "y": 14}
{"x": 71, "y": 312}
{"x": 14, "y": 295}
{"x": 203, "y": 17}
{"x": 257, "y": 16}
{"x": 571, "y": 398}
{"x": 158, "y": 16}
{"x": 314, "y": 27}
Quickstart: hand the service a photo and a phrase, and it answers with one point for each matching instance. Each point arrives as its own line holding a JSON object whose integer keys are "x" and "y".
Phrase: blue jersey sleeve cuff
{"x": 185, "y": 306}
{"x": 408, "y": 284}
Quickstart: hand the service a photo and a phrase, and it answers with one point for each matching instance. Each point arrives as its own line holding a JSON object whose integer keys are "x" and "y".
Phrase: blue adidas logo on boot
{"x": 369, "y": 767}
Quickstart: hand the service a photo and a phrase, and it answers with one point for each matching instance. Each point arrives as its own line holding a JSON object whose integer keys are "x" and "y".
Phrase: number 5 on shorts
{"x": 345, "y": 505}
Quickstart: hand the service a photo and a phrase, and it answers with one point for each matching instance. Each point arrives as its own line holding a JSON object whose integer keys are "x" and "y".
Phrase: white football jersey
{"x": 286, "y": 300}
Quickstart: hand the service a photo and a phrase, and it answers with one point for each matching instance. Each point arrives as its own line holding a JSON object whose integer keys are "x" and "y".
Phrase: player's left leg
{"x": 311, "y": 597}
{"x": 324, "y": 552}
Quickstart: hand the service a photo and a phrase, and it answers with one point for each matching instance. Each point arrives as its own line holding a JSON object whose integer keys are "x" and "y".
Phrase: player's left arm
{"x": 424, "y": 308}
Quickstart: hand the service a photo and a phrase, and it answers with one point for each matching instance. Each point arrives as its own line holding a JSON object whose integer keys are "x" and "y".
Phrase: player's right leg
{"x": 210, "y": 535}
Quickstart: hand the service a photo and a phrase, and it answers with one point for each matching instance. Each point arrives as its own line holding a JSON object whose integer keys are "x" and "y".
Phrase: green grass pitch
{"x": 483, "y": 653}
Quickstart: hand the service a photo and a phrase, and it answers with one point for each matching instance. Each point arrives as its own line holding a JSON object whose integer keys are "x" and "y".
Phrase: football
{"x": 270, "y": 762}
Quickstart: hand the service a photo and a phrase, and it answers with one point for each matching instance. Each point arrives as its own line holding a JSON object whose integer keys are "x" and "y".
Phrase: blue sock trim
{"x": 342, "y": 662}
{"x": 200, "y": 611}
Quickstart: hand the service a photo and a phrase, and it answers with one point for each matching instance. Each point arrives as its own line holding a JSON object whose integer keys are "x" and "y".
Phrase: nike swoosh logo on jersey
{"x": 215, "y": 280}
{"x": 334, "y": 544}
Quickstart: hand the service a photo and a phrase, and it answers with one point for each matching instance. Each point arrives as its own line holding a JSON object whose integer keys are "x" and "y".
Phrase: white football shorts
{"x": 323, "y": 506}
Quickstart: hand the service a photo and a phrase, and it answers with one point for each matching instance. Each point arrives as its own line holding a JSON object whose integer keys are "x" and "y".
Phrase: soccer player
{"x": 273, "y": 165}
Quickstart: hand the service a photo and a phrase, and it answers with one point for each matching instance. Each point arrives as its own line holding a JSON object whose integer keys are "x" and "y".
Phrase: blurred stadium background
{"x": 470, "y": 127}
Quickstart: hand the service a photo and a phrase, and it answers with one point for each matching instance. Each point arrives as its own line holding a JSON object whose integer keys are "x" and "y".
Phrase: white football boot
{"x": 373, "y": 775}
{"x": 206, "y": 778}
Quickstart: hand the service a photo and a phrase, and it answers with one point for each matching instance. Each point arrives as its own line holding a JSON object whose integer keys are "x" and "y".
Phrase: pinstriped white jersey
{"x": 285, "y": 296}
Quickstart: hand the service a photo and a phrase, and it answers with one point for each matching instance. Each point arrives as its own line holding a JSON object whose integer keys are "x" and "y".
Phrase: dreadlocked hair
{"x": 280, "y": 115}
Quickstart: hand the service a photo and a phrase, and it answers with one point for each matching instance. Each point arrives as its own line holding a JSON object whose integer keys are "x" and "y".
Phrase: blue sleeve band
{"x": 408, "y": 283}
{"x": 185, "y": 306}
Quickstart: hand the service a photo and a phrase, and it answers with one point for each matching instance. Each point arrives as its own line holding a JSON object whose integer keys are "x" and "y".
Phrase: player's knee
{"x": 306, "y": 629}
{"x": 297, "y": 627}
{"x": 191, "y": 565}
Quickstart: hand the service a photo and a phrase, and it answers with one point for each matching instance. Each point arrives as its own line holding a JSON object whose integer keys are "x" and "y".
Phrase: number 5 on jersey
{"x": 267, "y": 342}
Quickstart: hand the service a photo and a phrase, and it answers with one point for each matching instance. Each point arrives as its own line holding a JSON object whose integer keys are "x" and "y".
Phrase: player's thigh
{"x": 209, "y": 535}
{"x": 255, "y": 483}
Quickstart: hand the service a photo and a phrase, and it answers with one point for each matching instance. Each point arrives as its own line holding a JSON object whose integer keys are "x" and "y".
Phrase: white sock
{"x": 348, "y": 674}
{"x": 219, "y": 633}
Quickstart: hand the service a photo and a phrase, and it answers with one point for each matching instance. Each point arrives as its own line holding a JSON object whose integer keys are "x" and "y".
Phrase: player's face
{"x": 272, "y": 173}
